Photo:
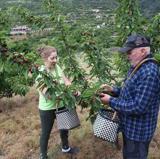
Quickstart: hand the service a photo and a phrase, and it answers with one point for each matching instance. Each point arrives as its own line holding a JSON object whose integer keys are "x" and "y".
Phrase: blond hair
{"x": 45, "y": 51}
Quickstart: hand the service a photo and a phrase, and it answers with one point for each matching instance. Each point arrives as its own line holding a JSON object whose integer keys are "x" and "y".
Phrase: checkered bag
{"x": 105, "y": 127}
{"x": 67, "y": 119}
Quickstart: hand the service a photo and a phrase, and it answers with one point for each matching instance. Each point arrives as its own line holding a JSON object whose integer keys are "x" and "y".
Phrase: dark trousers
{"x": 134, "y": 150}
{"x": 47, "y": 120}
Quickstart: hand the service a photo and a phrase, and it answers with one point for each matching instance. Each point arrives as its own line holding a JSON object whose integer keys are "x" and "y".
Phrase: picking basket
{"x": 67, "y": 119}
{"x": 106, "y": 125}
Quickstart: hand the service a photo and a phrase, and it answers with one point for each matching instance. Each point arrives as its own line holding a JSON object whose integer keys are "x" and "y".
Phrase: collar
{"x": 148, "y": 56}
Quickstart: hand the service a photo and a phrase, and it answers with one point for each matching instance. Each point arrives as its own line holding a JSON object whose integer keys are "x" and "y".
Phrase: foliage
{"x": 148, "y": 7}
{"x": 14, "y": 69}
{"x": 128, "y": 19}
{"x": 55, "y": 91}
{"x": 154, "y": 32}
{"x": 90, "y": 99}
{"x": 24, "y": 16}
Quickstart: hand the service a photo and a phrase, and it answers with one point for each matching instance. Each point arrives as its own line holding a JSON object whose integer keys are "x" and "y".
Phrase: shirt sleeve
{"x": 117, "y": 90}
{"x": 146, "y": 90}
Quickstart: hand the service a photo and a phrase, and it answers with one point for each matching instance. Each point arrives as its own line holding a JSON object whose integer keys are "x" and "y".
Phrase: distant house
{"x": 20, "y": 30}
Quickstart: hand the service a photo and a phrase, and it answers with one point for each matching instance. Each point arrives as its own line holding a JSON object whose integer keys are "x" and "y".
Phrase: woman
{"x": 47, "y": 107}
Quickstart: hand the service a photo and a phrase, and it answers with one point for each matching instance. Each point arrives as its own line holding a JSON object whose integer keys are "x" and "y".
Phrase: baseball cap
{"x": 134, "y": 41}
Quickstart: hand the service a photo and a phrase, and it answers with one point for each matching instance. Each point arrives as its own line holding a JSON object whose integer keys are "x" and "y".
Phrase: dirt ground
{"x": 20, "y": 131}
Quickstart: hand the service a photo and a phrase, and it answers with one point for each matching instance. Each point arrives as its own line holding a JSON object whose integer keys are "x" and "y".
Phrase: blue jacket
{"x": 138, "y": 102}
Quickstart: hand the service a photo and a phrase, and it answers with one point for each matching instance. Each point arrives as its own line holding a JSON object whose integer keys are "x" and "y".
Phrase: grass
{"x": 20, "y": 131}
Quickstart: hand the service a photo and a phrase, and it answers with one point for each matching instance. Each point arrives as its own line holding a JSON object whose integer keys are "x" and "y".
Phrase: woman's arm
{"x": 66, "y": 81}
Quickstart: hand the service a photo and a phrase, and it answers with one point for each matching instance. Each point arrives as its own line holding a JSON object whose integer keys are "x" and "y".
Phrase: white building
{"x": 20, "y": 30}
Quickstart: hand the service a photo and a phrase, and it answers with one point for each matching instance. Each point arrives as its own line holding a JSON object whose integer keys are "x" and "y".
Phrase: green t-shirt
{"x": 47, "y": 104}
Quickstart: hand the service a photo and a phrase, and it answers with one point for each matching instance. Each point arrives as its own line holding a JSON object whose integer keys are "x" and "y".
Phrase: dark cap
{"x": 135, "y": 41}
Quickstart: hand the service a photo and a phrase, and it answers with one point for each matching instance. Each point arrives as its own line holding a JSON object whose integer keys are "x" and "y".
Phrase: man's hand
{"x": 105, "y": 98}
{"x": 107, "y": 88}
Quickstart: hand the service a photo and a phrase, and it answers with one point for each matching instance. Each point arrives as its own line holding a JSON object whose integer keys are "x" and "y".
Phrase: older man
{"x": 138, "y": 99}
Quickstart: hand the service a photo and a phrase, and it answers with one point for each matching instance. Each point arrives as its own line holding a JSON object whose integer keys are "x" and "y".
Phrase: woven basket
{"x": 106, "y": 125}
{"x": 67, "y": 119}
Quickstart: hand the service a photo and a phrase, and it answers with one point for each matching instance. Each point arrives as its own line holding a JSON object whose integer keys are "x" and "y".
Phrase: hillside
{"x": 149, "y": 7}
{"x": 20, "y": 129}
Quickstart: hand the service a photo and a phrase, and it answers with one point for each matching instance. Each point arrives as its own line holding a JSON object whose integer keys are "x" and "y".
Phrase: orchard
{"x": 87, "y": 53}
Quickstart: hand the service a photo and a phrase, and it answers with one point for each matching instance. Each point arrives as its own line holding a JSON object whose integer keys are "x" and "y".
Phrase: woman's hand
{"x": 45, "y": 89}
{"x": 47, "y": 95}
{"x": 66, "y": 81}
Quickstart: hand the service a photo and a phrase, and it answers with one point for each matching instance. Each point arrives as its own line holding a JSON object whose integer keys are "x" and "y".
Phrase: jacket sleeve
{"x": 116, "y": 90}
{"x": 146, "y": 91}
